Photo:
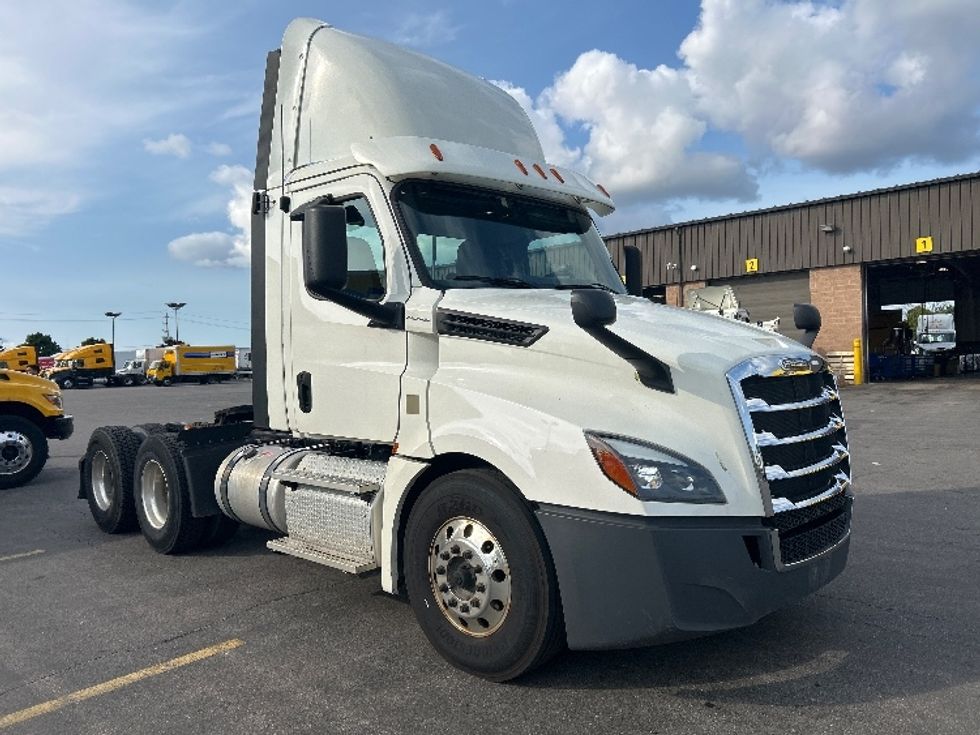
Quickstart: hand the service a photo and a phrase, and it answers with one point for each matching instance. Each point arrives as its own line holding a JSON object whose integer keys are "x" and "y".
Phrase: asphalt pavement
{"x": 100, "y": 634}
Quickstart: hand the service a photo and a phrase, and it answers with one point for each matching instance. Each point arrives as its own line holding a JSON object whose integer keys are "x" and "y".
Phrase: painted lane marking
{"x": 21, "y": 556}
{"x": 15, "y": 718}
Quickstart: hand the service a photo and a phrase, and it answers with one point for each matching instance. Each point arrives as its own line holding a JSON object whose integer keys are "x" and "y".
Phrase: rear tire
{"x": 23, "y": 451}
{"x": 480, "y": 578}
{"x": 163, "y": 505}
{"x": 107, "y": 475}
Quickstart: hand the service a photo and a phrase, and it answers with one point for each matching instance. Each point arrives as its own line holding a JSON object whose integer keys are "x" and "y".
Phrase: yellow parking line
{"x": 105, "y": 687}
{"x": 21, "y": 556}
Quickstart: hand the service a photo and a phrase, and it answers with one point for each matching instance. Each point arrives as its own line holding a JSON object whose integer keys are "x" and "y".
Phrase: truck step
{"x": 293, "y": 547}
{"x": 343, "y": 474}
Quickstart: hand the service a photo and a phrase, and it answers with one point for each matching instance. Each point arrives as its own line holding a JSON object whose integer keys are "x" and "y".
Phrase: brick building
{"x": 858, "y": 258}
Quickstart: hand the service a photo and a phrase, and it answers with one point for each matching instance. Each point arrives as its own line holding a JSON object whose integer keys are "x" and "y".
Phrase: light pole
{"x": 176, "y": 306}
{"x": 112, "y": 315}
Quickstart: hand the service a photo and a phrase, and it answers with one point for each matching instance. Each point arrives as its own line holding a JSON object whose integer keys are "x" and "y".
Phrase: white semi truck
{"x": 453, "y": 387}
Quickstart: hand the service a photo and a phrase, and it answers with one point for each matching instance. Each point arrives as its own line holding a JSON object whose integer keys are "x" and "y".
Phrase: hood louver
{"x": 489, "y": 329}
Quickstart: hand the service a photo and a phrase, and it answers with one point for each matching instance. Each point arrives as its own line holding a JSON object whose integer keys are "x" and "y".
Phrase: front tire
{"x": 23, "y": 451}
{"x": 108, "y": 476}
{"x": 480, "y": 578}
{"x": 163, "y": 506}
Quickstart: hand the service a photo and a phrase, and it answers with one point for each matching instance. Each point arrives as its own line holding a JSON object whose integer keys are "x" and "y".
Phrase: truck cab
{"x": 452, "y": 385}
{"x": 83, "y": 365}
{"x": 22, "y": 359}
{"x": 31, "y": 412}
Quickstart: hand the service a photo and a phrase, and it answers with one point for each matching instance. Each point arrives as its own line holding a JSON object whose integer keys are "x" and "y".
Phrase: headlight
{"x": 54, "y": 399}
{"x": 651, "y": 473}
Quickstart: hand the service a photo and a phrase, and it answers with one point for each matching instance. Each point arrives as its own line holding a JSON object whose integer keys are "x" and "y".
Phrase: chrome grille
{"x": 795, "y": 429}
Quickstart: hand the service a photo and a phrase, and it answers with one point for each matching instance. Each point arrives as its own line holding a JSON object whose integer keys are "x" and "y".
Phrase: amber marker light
{"x": 611, "y": 465}
{"x": 554, "y": 172}
{"x": 520, "y": 166}
{"x": 540, "y": 170}
{"x": 435, "y": 151}
{"x": 601, "y": 188}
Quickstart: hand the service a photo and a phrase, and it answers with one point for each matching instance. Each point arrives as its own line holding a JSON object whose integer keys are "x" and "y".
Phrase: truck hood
{"x": 686, "y": 340}
{"x": 15, "y": 378}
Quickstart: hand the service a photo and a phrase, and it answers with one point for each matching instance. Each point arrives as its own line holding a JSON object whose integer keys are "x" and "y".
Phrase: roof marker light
{"x": 554, "y": 172}
{"x": 601, "y": 188}
{"x": 435, "y": 151}
{"x": 540, "y": 170}
{"x": 520, "y": 166}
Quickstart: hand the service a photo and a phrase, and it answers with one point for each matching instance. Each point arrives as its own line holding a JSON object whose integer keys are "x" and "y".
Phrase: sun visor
{"x": 406, "y": 157}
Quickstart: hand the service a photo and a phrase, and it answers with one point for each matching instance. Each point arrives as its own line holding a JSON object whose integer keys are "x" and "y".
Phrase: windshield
{"x": 931, "y": 338}
{"x": 474, "y": 238}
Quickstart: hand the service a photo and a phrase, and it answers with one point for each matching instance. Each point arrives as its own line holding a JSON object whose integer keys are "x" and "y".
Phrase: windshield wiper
{"x": 594, "y": 284}
{"x": 507, "y": 282}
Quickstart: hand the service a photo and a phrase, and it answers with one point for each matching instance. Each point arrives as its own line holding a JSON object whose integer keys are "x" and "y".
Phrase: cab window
{"x": 365, "y": 252}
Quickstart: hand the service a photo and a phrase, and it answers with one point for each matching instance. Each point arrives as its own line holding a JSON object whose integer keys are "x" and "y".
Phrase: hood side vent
{"x": 488, "y": 329}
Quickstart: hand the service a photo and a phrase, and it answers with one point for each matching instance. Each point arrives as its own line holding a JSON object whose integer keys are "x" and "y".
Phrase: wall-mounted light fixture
{"x": 694, "y": 268}
{"x": 828, "y": 228}
{"x": 847, "y": 248}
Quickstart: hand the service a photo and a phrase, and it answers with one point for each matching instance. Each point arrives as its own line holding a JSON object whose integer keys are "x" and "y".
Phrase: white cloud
{"x": 222, "y": 249}
{"x": 218, "y": 149}
{"x": 865, "y": 84}
{"x": 24, "y": 210}
{"x": 426, "y": 29}
{"x": 175, "y": 144}
{"x": 642, "y": 131}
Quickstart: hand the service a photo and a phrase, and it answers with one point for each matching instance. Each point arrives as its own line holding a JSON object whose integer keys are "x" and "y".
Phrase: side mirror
{"x": 807, "y": 318}
{"x": 634, "y": 270}
{"x": 324, "y": 248}
{"x": 592, "y": 309}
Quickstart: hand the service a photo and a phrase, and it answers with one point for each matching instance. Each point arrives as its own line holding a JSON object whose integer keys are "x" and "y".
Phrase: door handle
{"x": 304, "y": 387}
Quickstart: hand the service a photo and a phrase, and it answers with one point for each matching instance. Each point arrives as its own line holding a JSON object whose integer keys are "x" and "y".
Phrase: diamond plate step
{"x": 358, "y": 476}
{"x": 302, "y": 550}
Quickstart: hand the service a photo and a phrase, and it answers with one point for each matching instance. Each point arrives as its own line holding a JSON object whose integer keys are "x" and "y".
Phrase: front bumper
{"x": 630, "y": 581}
{"x": 59, "y": 427}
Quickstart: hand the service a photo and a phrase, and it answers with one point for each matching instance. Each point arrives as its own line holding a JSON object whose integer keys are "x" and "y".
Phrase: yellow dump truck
{"x": 30, "y": 414}
{"x": 23, "y": 359}
{"x": 182, "y": 363}
{"x": 82, "y": 365}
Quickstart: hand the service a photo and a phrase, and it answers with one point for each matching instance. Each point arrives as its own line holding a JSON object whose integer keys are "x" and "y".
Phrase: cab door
{"x": 344, "y": 372}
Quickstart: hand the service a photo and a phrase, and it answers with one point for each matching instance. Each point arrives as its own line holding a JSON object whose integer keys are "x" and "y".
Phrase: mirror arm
{"x": 390, "y": 315}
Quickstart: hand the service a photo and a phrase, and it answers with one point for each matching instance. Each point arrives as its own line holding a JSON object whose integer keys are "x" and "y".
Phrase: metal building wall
{"x": 878, "y": 226}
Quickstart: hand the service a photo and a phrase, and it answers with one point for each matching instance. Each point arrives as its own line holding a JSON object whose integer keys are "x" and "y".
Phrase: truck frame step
{"x": 356, "y": 476}
{"x": 305, "y": 551}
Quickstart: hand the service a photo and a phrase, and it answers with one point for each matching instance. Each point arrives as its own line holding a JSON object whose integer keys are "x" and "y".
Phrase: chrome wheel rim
{"x": 103, "y": 481}
{"x": 470, "y": 577}
{"x": 154, "y": 494}
{"x": 16, "y": 452}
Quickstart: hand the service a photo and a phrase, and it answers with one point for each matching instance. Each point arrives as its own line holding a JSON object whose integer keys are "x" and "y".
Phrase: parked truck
{"x": 182, "y": 363}
{"x": 82, "y": 366}
{"x": 23, "y": 359}
{"x": 533, "y": 456}
{"x": 31, "y": 412}
{"x": 935, "y": 334}
{"x": 243, "y": 363}
{"x": 134, "y": 372}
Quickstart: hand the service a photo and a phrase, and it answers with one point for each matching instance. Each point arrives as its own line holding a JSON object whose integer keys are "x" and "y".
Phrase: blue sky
{"x": 128, "y": 135}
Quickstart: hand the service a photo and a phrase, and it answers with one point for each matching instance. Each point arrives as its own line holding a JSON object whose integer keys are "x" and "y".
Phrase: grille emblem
{"x": 801, "y": 365}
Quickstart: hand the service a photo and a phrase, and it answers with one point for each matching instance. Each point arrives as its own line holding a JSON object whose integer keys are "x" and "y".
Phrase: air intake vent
{"x": 489, "y": 329}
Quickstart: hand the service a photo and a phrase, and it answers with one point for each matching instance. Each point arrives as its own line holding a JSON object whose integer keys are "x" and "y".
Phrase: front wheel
{"x": 67, "y": 383}
{"x": 23, "y": 451}
{"x": 480, "y": 578}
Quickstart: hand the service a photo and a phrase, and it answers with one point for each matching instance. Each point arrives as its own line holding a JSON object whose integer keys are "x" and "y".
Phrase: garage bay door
{"x": 768, "y": 296}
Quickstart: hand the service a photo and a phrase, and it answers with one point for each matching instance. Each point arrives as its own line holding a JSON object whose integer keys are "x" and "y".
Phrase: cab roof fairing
{"x": 386, "y": 105}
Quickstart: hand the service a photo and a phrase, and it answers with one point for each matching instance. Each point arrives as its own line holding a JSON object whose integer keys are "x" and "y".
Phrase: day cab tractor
{"x": 453, "y": 386}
